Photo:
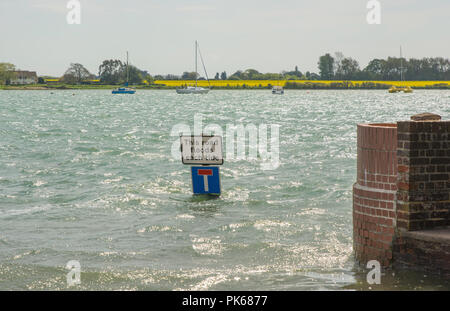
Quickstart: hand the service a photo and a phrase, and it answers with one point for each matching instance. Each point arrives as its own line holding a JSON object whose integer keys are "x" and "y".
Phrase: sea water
{"x": 89, "y": 176}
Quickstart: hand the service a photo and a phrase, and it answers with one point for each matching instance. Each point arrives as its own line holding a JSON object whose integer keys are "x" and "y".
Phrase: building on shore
{"x": 24, "y": 77}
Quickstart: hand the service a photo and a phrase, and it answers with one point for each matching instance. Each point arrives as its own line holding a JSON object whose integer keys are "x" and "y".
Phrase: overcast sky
{"x": 269, "y": 36}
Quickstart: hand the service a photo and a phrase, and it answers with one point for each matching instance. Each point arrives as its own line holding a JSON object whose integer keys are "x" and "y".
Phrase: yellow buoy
{"x": 393, "y": 89}
{"x": 407, "y": 89}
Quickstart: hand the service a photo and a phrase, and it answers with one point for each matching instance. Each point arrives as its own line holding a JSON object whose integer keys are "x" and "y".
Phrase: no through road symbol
{"x": 205, "y": 180}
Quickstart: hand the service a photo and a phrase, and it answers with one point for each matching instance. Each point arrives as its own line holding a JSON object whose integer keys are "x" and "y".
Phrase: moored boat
{"x": 125, "y": 89}
{"x": 407, "y": 89}
{"x": 195, "y": 89}
{"x": 277, "y": 90}
{"x": 404, "y": 89}
{"x": 192, "y": 90}
{"x": 394, "y": 89}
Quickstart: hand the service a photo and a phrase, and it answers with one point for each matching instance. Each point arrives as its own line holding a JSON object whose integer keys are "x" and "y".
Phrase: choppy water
{"x": 90, "y": 177}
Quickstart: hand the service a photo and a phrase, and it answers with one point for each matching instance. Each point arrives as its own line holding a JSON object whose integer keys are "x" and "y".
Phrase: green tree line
{"x": 337, "y": 67}
{"x": 340, "y": 67}
{"x": 111, "y": 71}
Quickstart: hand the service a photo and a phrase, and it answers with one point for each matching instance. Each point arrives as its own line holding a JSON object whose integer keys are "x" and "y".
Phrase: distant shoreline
{"x": 246, "y": 85}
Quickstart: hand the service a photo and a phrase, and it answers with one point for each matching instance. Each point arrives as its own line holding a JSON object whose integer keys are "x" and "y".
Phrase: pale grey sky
{"x": 269, "y": 36}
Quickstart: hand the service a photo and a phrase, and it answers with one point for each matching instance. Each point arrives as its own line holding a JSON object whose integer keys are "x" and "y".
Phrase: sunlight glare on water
{"x": 91, "y": 178}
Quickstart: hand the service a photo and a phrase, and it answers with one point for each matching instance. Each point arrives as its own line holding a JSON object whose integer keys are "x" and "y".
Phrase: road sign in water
{"x": 205, "y": 180}
{"x": 201, "y": 150}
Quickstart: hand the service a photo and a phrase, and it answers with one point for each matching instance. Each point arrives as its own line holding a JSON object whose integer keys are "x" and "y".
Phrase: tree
{"x": 69, "y": 78}
{"x": 189, "y": 75}
{"x": 7, "y": 72}
{"x": 326, "y": 67}
{"x": 338, "y": 58}
{"x": 349, "y": 69}
{"x": 76, "y": 73}
{"x": 343, "y": 68}
{"x": 314, "y": 76}
{"x": 375, "y": 69}
{"x": 272, "y": 76}
{"x": 110, "y": 71}
{"x": 443, "y": 68}
{"x": 251, "y": 74}
{"x": 135, "y": 76}
{"x": 292, "y": 75}
{"x": 236, "y": 75}
{"x": 392, "y": 70}
{"x": 149, "y": 79}
{"x": 171, "y": 77}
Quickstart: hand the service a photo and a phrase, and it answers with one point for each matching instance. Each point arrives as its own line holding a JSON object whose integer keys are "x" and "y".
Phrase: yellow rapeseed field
{"x": 222, "y": 83}
{"x": 265, "y": 83}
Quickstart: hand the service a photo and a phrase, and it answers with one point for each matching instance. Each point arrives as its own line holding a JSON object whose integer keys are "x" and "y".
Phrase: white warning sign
{"x": 203, "y": 150}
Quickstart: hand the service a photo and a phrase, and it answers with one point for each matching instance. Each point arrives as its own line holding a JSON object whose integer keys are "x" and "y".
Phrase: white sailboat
{"x": 195, "y": 89}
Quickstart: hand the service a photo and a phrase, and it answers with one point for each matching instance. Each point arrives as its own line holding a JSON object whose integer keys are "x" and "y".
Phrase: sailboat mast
{"x": 195, "y": 63}
{"x": 127, "y": 68}
{"x": 203, "y": 64}
{"x": 401, "y": 64}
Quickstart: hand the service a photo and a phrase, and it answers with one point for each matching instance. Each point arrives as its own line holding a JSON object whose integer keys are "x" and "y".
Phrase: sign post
{"x": 203, "y": 150}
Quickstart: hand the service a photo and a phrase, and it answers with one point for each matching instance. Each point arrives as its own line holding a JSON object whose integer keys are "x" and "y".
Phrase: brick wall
{"x": 374, "y": 193}
{"x": 424, "y": 250}
{"x": 423, "y": 157}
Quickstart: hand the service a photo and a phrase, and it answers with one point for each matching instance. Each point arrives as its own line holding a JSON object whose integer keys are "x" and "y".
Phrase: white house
{"x": 24, "y": 77}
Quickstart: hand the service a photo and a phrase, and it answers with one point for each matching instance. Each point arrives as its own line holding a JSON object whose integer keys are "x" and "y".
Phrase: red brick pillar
{"x": 374, "y": 193}
{"x": 423, "y": 198}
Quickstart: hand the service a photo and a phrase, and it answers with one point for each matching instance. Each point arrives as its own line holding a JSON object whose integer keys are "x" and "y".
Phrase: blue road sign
{"x": 205, "y": 180}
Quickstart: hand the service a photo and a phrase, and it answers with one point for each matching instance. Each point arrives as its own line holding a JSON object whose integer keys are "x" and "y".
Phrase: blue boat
{"x": 125, "y": 89}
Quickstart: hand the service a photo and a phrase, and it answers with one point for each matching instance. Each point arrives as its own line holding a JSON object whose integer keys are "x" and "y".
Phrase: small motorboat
{"x": 394, "y": 89}
{"x": 407, "y": 89}
{"x": 278, "y": 90}
{"x": 404, "y": 89}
